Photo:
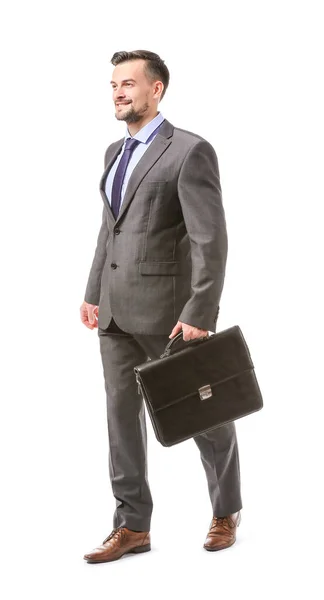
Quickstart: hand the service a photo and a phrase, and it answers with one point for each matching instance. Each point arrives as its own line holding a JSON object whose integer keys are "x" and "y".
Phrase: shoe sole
{"x": 136, "y": 550}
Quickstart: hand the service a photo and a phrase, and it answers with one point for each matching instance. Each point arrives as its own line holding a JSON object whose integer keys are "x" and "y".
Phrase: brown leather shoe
{"x": 119, "y": 542}
{"x": 222, "y": 532}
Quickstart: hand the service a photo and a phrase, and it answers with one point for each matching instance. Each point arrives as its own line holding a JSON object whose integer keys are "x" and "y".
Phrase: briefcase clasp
{"x": 205, "y": 392}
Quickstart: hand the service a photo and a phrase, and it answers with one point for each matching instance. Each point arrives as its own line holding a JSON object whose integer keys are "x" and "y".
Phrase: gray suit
{"x": 161, "y": 261}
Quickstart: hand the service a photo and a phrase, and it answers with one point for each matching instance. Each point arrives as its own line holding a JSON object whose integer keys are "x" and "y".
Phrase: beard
{"x": 130, "y": 115}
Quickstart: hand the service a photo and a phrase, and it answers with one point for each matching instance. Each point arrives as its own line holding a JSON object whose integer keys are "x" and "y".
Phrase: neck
{"x": 133, "y": 128}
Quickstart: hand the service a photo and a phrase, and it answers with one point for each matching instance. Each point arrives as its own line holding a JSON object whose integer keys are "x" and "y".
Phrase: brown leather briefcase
{"x": 203, "y": 384}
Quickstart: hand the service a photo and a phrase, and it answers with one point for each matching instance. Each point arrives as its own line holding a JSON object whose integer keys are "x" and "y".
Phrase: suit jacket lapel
{"x": 160, "y": 143}
{"x": 113, "y": 155}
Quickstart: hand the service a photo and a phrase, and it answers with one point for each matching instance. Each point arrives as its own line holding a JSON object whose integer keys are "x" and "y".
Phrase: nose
{"x": 119, "y": 96}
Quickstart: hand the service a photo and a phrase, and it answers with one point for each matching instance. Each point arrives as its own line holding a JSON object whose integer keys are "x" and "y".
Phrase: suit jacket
{"x": 163, "y": 259}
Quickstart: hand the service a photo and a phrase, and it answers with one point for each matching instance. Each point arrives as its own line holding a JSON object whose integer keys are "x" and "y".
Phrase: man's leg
{"x": 220, "y": 458}
{"x": 120, "y": 353}
{"x": 218, "y": 448}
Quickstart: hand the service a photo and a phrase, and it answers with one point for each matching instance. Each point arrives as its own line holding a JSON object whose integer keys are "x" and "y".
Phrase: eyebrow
{"x": 124, "y": 80}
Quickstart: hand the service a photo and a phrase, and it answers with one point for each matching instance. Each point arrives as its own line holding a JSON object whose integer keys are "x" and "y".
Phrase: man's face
{"x": 133, "y": 94}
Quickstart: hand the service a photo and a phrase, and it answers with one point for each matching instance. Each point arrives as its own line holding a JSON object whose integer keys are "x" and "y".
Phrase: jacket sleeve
{"x": 92, "y": 293}
{"x": 200, "y": 196}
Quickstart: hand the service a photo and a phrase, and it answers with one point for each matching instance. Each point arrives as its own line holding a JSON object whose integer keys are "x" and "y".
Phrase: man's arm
{"x": 92, "y": 294}
{"x": 200, "y": 196}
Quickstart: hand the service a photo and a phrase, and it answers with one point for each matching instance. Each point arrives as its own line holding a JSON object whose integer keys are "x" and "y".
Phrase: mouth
{"x": 122, "y": 103}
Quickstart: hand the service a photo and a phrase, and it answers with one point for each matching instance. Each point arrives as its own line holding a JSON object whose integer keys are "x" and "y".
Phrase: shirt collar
{"x": 145, "y": 132}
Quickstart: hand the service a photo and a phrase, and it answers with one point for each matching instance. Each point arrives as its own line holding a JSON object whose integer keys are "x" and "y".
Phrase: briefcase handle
{"x": 177, "y": 337}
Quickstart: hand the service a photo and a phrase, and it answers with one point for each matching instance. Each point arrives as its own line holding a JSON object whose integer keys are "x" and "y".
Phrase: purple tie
{"x": 117, "y": 185}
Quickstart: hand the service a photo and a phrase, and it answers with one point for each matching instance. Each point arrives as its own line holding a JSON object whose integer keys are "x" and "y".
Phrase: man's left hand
{"x": 188, "y": 331}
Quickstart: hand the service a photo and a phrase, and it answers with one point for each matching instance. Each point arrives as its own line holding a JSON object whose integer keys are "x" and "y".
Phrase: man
{"x": 158, "y": 269}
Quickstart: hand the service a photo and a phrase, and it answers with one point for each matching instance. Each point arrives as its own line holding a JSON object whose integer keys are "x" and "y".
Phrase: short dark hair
{"x": 154, "y": 67}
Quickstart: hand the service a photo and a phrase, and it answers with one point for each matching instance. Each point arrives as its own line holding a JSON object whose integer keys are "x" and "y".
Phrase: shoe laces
{"x": 115, "y": 531}
{"x": 218, "y": 521}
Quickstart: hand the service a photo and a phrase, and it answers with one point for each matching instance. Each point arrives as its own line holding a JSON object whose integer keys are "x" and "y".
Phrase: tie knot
{"x": 131, "y": 143}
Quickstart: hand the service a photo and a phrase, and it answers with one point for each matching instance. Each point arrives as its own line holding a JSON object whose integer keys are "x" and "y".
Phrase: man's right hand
{"x": 89, "y": 315}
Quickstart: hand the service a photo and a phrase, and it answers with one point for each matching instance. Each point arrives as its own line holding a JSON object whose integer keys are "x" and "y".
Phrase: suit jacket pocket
{"x": 155, "y": 267}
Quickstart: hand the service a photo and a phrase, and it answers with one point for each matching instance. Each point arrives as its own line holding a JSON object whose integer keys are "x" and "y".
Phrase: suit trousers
{"x": 120, "y": 353}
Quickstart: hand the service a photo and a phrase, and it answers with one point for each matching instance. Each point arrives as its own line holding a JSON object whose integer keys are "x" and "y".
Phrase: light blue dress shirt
{"x": 146, "y": 136}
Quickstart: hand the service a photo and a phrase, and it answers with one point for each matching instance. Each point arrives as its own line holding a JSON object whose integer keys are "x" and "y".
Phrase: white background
{"x": 248, "y": 77}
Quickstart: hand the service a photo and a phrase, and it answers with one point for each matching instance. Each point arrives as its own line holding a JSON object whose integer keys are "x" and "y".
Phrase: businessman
{"x": 158, "y": 269}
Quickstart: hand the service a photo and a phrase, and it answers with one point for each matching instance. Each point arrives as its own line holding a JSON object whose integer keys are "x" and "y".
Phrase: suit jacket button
{"x": 117, "y": 231}
{"x": 113, "y": 266}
